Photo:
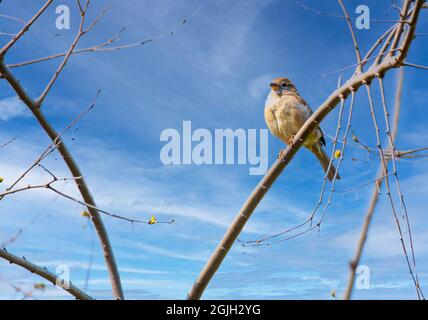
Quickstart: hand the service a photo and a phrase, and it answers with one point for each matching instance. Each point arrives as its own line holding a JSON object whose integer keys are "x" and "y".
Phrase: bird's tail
{"x": 324, "y": 159}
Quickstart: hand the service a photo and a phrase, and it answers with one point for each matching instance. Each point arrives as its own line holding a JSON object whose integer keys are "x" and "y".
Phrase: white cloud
{"x": 194, "y": 256}
{"x": 383, "y": 241}
{"x": 12, "y": 108}
{"x": 393, "y": 285}
{"x": 84, "y": 265}
{"x": 221, "y": 56}
{"x": 142, "y": 283}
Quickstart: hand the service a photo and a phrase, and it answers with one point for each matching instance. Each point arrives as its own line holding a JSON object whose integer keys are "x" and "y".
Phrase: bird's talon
{"x": 290, "y": 142}
{"x": 281, "y": 156}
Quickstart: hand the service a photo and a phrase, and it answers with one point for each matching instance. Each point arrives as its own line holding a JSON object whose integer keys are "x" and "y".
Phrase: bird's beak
{"x": 274, "y": 86}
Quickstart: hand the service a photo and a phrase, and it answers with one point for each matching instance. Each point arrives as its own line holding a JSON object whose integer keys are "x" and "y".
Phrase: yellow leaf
{"x": 337, "y": 154}
{"x": 1, "y": 179}
{"x": 85, "y": 214}
{"x": 153, "y": 220}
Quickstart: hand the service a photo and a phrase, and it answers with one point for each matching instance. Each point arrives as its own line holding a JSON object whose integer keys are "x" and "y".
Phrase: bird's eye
{"x": 284, "y": 85}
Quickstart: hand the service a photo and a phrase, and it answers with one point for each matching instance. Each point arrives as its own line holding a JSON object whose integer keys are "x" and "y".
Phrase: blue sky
{"x": 214, "y": 71}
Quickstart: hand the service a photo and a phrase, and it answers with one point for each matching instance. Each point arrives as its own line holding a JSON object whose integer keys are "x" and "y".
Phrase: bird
{"x": 285, "y": 113}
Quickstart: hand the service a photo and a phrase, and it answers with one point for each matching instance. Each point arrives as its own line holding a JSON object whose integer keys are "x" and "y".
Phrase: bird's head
{"x": 282, "y": 86}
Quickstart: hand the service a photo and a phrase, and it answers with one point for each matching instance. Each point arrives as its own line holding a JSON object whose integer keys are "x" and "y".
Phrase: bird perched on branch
{"x": 286, "y": 112}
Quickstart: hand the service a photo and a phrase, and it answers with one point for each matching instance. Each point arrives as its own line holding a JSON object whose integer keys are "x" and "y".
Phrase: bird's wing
{"x": 302, "y": 104}
{"x": 308, "y": 112}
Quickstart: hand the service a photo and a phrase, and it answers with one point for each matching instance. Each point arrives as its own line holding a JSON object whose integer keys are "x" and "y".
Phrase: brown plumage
{"x": 286, "y": 112}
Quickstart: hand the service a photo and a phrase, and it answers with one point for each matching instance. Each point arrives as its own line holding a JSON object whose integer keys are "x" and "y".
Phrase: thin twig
{"x": 363, "y": 62}
{"x": 80, "y": 33}
{"x": 375, "y": 196}
{"x": 7, "y": 142}
{"x": 12, "y": 239}
{"x": 354, "y": 38}
{"x": 384, "y": 163}
{"x": 95, "y": 48}
{"x": 54, "y": 144}
{"x": 412, "y": 269}
{"x": 7, "y": 34}
{"x": 75, "y": 171}
{"x": 106, "y": 45}
{"x": 4, "y": 50}
{"x": 334, "y": 15}
{"x": 5, "y": 16}
{"x": 378, "y": 43}
{"x": 400, "y": 27}
{"x": 49, "y": 186}
{"x": 418, "y": 66}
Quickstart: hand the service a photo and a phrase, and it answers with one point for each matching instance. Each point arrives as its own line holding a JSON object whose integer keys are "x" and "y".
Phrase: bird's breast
{"x": 284, "y": 116}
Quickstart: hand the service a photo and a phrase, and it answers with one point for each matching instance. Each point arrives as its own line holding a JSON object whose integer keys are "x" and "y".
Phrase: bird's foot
{"x": 290, "y": 142}
{"x": 281, "y": 155}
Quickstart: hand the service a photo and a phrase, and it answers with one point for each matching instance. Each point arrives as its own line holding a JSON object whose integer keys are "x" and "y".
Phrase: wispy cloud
{"x": 258, "y": 87}
{"x": 11, "y": 108}
{"x": 221, "y": 56}
{"x": 195, "y": 256}
{"x": 84, "y": 265}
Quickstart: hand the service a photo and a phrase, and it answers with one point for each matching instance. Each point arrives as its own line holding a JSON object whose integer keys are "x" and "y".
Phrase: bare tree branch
{"x": 384, "y": 161}
{"x": 44, "y": 273}
{"x": 12, "y": 18}
{"x": 400, "y": 26}
{"x": 106, "y": 45}
{"x": 11, "y": 240}
{"x": 377, "y": 44}
{"x": 334, "y": 15}
{"x": 49, "y": 186}
{"x": 7, "y": 143}
{"x": 354, "y": 38}
{"x": 412, "y": 268}
{"x": 33, "y": 105}
{"x": 27, "y": 26}
{"x": 54, "y": 144}
{"x": 95, "y": 48}
{"x": 418, "y": 66}
{"x": 7, "y": 34}
{"x": 80, "y": 33}
{"x": 363, "y": 63}
{"x": 75, "y": 171}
